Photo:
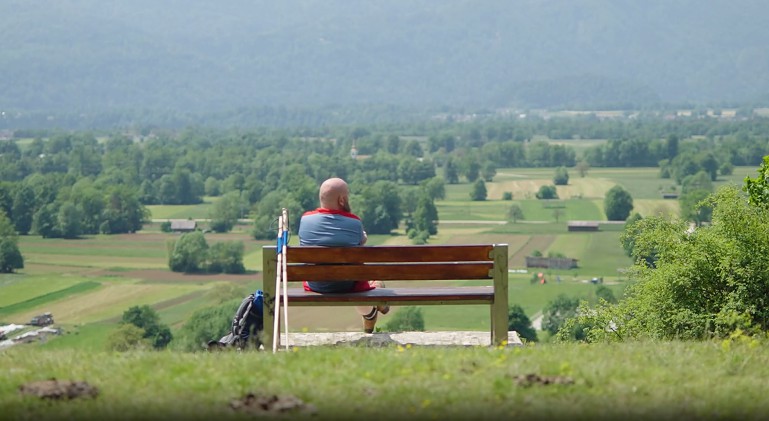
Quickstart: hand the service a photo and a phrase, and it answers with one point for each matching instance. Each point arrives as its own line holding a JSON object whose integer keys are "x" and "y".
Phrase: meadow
{"x": 88, "y": 283}
{"x": 639, "y": 380}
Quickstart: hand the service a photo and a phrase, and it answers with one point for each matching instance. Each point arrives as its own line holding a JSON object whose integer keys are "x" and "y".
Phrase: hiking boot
{"x": 369, "y": 321}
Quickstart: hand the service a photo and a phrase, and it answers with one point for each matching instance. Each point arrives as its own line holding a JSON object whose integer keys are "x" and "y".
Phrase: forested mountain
{"x": 92, "y": 57}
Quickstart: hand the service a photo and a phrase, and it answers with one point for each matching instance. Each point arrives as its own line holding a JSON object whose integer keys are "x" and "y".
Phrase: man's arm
{"x": 365, "y": 238}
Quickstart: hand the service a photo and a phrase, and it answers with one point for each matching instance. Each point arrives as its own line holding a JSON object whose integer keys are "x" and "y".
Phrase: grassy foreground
{"x": 667, "y": 380}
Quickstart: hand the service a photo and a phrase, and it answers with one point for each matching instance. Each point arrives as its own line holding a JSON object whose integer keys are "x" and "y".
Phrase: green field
{"x": 88, "y": 283}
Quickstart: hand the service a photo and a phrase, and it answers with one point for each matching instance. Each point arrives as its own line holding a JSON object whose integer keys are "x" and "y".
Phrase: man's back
{"x": 330, "y": 228}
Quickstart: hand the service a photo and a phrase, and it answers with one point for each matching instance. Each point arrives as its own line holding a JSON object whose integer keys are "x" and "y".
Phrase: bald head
{"x": 334, "y": 194}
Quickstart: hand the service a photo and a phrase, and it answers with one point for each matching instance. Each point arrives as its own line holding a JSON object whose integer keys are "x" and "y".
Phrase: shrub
{"x": 518, "y": 321}
{"x": 507, "y": 195}
{"x": 157, "y": 334}
{"x": 407, "y": 319}
{"x": 561, "y": 177}
{"x": 706, "y": 283}
{"x": 547, "y": 192}
{"x": 617, "y": 204}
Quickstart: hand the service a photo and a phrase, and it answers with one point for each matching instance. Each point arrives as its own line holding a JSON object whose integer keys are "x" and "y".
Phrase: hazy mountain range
{"x": 203, "y": 56}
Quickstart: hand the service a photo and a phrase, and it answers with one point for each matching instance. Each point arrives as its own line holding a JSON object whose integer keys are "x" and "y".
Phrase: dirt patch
{"x": 258, "y": 404}
{"x": 527, "y": 380}
{"x": 59, "y": 389}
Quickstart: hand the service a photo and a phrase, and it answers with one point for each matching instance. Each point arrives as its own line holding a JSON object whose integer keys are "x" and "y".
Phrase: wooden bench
{"x": 393, "y": 263}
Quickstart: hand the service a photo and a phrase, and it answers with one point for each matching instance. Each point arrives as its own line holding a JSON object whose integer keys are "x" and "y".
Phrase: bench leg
{"x": 499, "y": 308}
{"x": 499, "y": 323}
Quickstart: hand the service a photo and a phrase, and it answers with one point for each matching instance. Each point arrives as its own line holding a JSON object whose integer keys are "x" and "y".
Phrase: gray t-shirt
{"x": 330, "y": 228}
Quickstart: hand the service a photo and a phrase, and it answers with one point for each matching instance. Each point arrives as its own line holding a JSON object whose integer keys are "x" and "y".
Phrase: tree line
{"x": 66, "y": 184}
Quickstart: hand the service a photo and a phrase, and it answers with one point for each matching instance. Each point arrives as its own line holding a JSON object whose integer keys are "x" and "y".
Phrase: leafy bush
{"x": 157, "y": 334}
{"x": 507, "y": 195}
{"x": 407, "y": 319}
{"x": 557, "y": 311}
{"x": 561, "y": 177}
{"x": 210, "y": 323}
{"x": 617, "y": 204}
{"x": 478, "y": 193}
{"x": 710, "y": 282}
{"x": 547, "y": 192}
{"x": 518, "y": 321}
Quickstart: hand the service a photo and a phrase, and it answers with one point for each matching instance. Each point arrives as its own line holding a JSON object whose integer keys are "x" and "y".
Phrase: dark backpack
{"x": 246, "y": 323}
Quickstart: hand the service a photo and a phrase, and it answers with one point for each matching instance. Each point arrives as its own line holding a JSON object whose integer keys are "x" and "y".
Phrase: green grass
{"x": 664, "y": 381}
{"x": 90, "y": 337}
{"x": 20, "y": 287}
{"x": 42, "y": 299}
{"x": 197, "y": 211}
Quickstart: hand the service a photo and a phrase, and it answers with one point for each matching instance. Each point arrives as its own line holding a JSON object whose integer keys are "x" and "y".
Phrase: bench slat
{"x": 402, "y": 272}
{"x": 460, "y": 295}
{"x": 309, "y": 254}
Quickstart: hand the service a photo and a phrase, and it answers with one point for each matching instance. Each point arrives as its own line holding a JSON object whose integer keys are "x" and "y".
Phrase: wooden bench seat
{"x": 401, "y": 265}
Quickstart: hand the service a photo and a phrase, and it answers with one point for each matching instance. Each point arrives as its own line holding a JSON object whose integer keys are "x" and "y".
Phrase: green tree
{"x": 123, "y": 212}
{"x": 628, "y": 240}
{"x": 227, "y": 257}
{"x": 413, "y": 148}
{"x": 726, "y": 168}
{"x": 515, "y": 213}
{"x": 617, "y": 204}
{"x": 582, "y": 168}
{"x": 708, "y": 283}
{"x": 23, "y": 209}
{"x": 414, "y": 171}
{"x": 488, "y": 171}
{"x": 188, "y": 254}
{"x": 212, "y": 186}
{"x": 699, "y": 181}
{"x": 518, "y": 321}
{"x": 450, "y": 171}
{"x": 605, "y": 293}
{"x": 547, "y": 192}
{"x": 147, "y": 319}
{"x": 426, "y": 215}
{"x": 226, "y": 211}
{"x": 557, "y": 311}
{"x": 478, "y": 192}
{"x": 561, "y": 177}
{"x": 381, "y": 207}
{"x": 127, "y": 337}
{"x": 693, "y": 208}
{"x": 758, "y": 187}
{"x": 407, "y": 319}
{"x": 69, "y": 220}
{"x": 45, "y": 221}
{"x": 471, "y": 168}
{"x": 435, "y": 188}
{"x": 708, "y": 162}
{"x": 10, "y": 255}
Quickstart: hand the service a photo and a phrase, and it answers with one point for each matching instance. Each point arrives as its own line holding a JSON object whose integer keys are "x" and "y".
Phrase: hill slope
{"x": 194, "y": 55}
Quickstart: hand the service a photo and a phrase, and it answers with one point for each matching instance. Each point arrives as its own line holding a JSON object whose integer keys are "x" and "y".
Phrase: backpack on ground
{"x": 247, "y": 323}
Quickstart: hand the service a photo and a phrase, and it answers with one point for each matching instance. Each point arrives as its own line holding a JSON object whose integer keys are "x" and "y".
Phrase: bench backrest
{"x": 402, "y": 263}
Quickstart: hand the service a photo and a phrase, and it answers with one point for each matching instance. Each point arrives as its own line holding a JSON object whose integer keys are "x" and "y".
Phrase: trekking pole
{"x": 278, "y": 274}
{"x": 285, "y": 276}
